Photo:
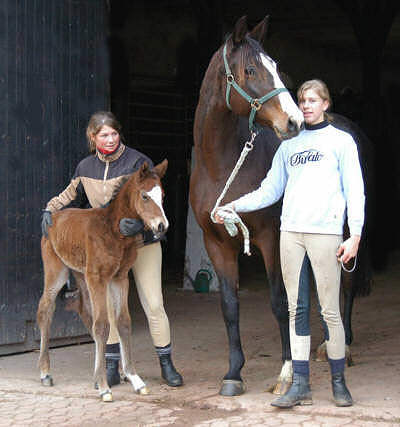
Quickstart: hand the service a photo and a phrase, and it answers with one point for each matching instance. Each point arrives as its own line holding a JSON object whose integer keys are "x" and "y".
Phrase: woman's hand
{"x": 348, "y": 249}
{"x": 220, "y": 213}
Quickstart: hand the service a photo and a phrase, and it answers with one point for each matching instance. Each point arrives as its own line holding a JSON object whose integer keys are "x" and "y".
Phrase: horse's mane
{"x": 250, "y": 52}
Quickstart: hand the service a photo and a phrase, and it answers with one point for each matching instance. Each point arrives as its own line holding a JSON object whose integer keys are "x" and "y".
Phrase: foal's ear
{"x": 161, "y": 168}
{"x": 240, "y": 30}
{"x": 260, "y": 30}
{"x": 143, "y": 170}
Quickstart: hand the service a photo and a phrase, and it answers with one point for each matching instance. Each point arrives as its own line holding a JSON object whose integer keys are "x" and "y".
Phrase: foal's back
{"x": 84, "y": 238}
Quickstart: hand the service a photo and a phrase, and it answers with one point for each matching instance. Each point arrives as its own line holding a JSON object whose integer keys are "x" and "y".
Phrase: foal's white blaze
{"x": 287, "y": 103}
{"x": 156, "y": 195}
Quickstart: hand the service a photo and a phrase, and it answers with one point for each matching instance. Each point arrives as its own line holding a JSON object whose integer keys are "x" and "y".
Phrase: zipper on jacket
{"x": 104, "y": 181}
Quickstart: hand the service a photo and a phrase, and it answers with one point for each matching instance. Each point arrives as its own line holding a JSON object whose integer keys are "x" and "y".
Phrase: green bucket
{"x": 202, "y": 281}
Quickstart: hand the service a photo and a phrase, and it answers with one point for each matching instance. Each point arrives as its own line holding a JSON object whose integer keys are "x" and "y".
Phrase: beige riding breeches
{"x": 301, "y": 255}
{"x": 147, "y": 274}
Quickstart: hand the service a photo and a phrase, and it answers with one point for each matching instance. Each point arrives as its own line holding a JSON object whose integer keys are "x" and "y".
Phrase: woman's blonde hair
{"x": 96, "y": 122}
{"x": 319, "y": 86}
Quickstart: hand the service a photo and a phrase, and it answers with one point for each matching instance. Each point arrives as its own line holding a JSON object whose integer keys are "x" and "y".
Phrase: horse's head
{"x": 147, "y": 197}
{"x": 252, "y": 86}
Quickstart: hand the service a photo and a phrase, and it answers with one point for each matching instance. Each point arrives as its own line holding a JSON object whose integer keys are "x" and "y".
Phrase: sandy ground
{"x": 201, "y": 354}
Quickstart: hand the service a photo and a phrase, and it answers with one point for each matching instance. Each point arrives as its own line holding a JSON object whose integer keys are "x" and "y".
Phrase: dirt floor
{"x": 201, "y": 354}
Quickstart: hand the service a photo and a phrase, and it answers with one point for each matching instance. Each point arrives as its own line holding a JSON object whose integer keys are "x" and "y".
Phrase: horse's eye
{"x": 145, "y": 197}
{"x": 250, "y": 71}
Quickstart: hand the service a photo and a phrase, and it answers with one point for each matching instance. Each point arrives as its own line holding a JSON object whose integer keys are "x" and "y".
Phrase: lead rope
{"x": 352, "y": 268}
{"x": 231, "y": 218}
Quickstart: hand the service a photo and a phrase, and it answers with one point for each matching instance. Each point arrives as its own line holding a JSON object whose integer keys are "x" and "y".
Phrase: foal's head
{"x": 146, "y": 196}
{"x": 257, "y": 75}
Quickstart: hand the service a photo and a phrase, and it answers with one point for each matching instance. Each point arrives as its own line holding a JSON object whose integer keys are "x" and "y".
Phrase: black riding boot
{"x": 299, "y": 393}
{"x": 168, "y": 371}
{"x": 112, "y": 364}
{"x": 341, "y": 393}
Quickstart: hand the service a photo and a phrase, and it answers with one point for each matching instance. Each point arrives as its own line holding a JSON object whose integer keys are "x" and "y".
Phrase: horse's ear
{"x": 240, "y": 30}
{"x": 161, "y": 168}
{"x": 260, "y": 30}
{"x": 143, "y": 170}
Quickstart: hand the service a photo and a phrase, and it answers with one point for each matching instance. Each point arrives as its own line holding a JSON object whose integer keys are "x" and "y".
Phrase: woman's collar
{"x": 113, "y": 156}
{"x": 319, "y": 125}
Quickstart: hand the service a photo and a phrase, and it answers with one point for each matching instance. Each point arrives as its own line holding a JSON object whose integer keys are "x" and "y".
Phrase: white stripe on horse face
{"x": 287, "y": 103}
{"x": 156, "y": 195}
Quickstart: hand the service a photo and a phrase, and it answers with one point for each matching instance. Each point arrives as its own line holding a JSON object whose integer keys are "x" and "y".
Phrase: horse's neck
{"x": 217, "y": 134}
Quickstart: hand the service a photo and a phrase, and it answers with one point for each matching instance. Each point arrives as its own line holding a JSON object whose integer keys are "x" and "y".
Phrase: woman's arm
{"x": 270, "y": 190}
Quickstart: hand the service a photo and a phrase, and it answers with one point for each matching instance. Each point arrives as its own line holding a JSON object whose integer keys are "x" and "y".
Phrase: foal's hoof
{"x": 47, "y": 381}
{"x": 143, "y": 391}
{"x": 106, "y": 396}
{"x": 232, "y": 388}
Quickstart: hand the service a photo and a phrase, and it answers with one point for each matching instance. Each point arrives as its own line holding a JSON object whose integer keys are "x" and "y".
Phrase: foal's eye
{"x": 145, "y": 197}
{"x": 250, "y": 71}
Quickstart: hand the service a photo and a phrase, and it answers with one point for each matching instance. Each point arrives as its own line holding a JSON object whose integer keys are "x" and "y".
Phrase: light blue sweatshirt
{"x": 320, "y": 176}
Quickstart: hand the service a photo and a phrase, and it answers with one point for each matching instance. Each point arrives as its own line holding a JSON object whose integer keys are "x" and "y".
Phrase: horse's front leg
{"x": 224, "y": 259}
{"x": 118, "y": 291}
{"x": 268, "y": 243}
{"x": 55, "y": 275}
{"x": 97, "y": 287}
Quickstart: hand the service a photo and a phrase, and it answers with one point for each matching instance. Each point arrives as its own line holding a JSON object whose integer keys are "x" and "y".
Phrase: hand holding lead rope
{"x": 226, "y": 214}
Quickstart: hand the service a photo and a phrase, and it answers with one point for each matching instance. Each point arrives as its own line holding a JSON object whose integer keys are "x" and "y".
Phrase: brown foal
{"x": 89, "y": 242}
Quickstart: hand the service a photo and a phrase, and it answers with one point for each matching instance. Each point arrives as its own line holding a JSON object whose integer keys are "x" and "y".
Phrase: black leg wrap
{"x": 112, "y": 364}
{"x": 298, "y": 394}
{"x": 113, "y": 376}
{"x": 341, "y": 394}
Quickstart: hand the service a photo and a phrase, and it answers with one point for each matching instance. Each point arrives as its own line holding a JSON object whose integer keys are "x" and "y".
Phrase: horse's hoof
{"x": 106, "y": 396}
{"x": 349, "y": 359}
{"x": 280, "y": 388}
{"x": 232, "y": 388}
{"x": 143, "y": 391}
{"x": 321, "y": 355}
{"x": 47, "y": 381}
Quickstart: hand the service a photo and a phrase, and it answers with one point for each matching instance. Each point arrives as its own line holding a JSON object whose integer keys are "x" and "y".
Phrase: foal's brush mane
{"x": 122, "y": 197}
{"x": 144, "y": 172}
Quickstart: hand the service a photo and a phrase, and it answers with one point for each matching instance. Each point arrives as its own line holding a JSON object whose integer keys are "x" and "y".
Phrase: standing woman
{"x": 97, "y": 180}
{"x": 319, "y": 174}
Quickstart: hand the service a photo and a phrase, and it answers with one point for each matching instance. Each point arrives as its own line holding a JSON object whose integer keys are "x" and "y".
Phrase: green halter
{"x": 256, "y": 103}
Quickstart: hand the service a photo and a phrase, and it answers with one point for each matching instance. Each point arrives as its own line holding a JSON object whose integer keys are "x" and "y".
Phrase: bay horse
{"x": 357, "y": 283}
{"x": 242, "y": 86}
{"x": 89, "y": 242}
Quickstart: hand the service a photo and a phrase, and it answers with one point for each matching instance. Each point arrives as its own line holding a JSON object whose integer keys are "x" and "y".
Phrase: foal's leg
{"x": 118, "y": 291}
{"x": 97, "y": 287}
{"x": 84, "y": 309}
{"x": 225, "y": 263}
{"x": 268, "y": 243}
{"x": 55, "y": 275}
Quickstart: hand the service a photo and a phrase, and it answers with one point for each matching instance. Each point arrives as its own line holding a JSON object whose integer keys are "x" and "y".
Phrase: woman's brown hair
{"x": 96, "y": 122}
